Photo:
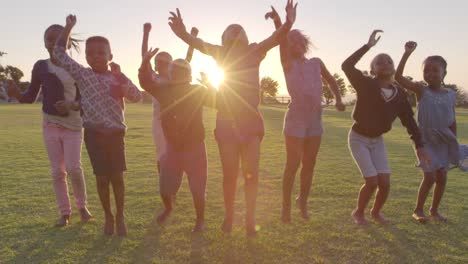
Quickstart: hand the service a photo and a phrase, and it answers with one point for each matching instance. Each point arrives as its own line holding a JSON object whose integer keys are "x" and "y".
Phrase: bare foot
{"x": 379, "y": 218}
{"x": 227, "y": 226}
{"x": 199, "y": 226}
{"x": 63, "y": 221}
{"x": 109, "y": 225}
{"x": 85, "y": 215}
{"x": 163, "y": 216}
{"x": 121, "y": 227}
{"x": 419, "y": 216}
{"x": 302, "y": 205}
{"x": 439, "y": 217}
{"x": 251, "y": 231}
{"x": 359, "y": 218}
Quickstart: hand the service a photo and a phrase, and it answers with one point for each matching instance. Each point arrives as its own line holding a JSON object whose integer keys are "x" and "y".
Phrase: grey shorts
{"x": 369, "y": 154}
{"x": 174, "y": 163}
{"x": 295, "y": 125}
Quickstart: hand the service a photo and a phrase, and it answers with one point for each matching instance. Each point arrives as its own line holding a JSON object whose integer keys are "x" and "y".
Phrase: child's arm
{"x": 145, "y": 76}
{"x": 453, "y": 127}
{"x": 210, "y": 93}
{"x": 281, "y": 33}
{"x": 355, "y": 76}
{"x": 333, "y": 86}
{"x": 415, "y": 87}
{"x": 127, "y": 88}
{"x": 62, "y": 58}
{"x": 188, "y": 57}
{"x": 406, "y": 116}
{"x": 177, "y": 25}
{"x": 285, "y": 62}
{"x": 30, "y": 95}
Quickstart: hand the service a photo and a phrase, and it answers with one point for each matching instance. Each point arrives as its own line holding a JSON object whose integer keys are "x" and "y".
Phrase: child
{"x": 62, "y": 125}
{"x": 239, "y": 125}
{"x": 103, "y": 94}
{"x": 436, "y": 119}
{"x": 379, "y": 102}
{"x": 160, "y": 73}
{"x": 182, "y": 123}
{"x": 303, "y": 121}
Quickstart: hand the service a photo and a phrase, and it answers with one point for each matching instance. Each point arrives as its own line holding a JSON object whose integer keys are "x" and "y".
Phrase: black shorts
{"x": 106, "y": 150}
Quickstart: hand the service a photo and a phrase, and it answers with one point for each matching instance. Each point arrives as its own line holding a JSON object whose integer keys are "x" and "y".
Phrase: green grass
{"x": 28, "y": 210}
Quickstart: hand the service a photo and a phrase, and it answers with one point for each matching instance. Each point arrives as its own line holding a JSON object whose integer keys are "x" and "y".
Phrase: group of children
{"x": 93, "y": 98}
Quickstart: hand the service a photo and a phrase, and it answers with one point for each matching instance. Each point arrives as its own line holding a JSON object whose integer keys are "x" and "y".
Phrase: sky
{"x": 337, "y": 28}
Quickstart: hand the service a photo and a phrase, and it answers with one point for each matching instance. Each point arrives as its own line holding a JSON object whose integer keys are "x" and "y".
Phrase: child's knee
{"x": 372, "y": 183}
{"x": 58, "y": 174}
{"x": 75, "y": 172}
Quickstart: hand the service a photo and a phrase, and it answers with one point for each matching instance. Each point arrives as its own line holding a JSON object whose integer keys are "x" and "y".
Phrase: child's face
{"x": 297, "y": 44}
{"x": 180, "y": 72}
{"x": 235, "y": 36}
{"x": 434, "y": 72}
{"x": 382, "y": 66}
{"x": 98, "y": 56}
{"x": 50, "y": 38}
{"x": 162, "y": 62}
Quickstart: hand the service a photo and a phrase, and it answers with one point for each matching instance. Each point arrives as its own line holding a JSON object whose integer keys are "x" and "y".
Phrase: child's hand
{"x": 13, "y": 90}
{"x": 70, "y": 21}
{"x": 423, "y": 156}
{"x": 340, "y": 106}
{"x": 147, "y": 27}
{"x": 272, "y": 14}
{"x": 115, "y": 68}
{"x": 373, "y": 38}
{"x": 63, "y": 106}
{"x": 291, "y": 12}
{"x": 203, "y": 79}
{"x": 410, "y": 46}
{"x": 149, "y": 55}
{"x": 177, "y": 24}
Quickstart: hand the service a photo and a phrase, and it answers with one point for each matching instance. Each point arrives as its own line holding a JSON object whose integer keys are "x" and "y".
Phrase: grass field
{"x": 28, "y": 209}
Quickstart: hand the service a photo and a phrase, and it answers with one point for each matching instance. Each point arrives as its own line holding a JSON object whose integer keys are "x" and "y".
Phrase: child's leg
{"x": 250, "y": 154}
{"x": 229, "y": 154}
{"x": 55, "y": 152}
{"x": 118, "y": 185}
{"x": 294, "y": 151}
{"x": 383, "y": 182}
{"x": 440, "y": 183}
{"x": 72, "y": 149}
{"x": 424, "y": 188}
{"x": 311, "y": 148}
{"x": 196, "y": 168}
{"x": 170, "y": 179}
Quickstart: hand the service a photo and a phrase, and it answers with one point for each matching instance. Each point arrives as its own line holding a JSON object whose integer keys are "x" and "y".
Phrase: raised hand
{"x": 272, "y": 14}
{"x": 410, "y": 46}
{"x": 291, "y": 11}
{"x": 149, "y": 55}
{"x": 373, "y": 39}
{"x": 177, "y": 24}
{"x": 70, "y": 21}
{"x": 115, "y": 68}
{"x": 147, "y": 27}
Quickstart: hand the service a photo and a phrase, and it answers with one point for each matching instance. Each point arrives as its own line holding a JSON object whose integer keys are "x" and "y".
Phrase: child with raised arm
{"x": 62, "y": 125}
{"x": 161, "y": 73}
{"x": 103, "y": 94}
{"x": 239, "y": 124}
{"x": 182, "y": 123}
{"x": 379, "y": 102}
{"x": 436, "y": 120}
{"x": 303, "y": 121}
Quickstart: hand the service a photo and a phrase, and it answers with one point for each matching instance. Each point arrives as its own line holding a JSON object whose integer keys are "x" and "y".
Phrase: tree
{"x": 327, "y": 94}
{"x": 14, "y": 73}
{"x": 269, "y": 87}
{"x": 462, "y": 96}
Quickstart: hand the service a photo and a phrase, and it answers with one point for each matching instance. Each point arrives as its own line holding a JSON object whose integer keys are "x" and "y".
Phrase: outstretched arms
{"x": 284, "y": 56}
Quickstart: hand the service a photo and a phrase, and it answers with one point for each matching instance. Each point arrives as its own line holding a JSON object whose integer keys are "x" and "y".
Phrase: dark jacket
{"x": 52, "y": 88}
{"x": 372, "y": 115}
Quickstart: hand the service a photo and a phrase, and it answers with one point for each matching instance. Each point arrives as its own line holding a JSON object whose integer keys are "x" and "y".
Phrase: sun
{"x": 216, "y": 76}
{"x": 213, "y": 72}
